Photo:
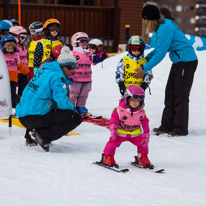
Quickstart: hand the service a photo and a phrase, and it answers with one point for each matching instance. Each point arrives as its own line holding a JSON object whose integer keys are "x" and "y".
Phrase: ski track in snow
{"x": 66, "y": 176}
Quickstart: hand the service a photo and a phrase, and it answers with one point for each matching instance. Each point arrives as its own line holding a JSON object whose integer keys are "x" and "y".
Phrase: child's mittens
{"x": 36, "y": 69}
{"x": 145, "y": 139}
{"x": 114, "y": 134}
{"x": 113, "y": 131}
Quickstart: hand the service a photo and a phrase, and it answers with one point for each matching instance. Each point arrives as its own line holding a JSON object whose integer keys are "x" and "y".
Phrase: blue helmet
{"x": 4, "y": 40}
{"x": 4, "y": 26}
{"x": 14, "y": 21}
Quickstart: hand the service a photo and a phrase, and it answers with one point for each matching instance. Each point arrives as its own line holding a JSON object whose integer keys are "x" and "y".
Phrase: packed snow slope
{"x": 66, "y": 176}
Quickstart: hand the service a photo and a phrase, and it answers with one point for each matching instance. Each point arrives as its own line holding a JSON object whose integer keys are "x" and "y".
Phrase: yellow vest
{"x": 32, "y": 47}
{"x": 130, "y": 66}
{"x": 47, "y": 46}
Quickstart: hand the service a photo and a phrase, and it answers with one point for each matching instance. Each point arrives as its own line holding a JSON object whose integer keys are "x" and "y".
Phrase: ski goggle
{"x": 83, "y": 41}
{"x": 138, "y": 97}
{"x": 69, "y": 67}
{"x": 135, "y": 48}
{"x": 98, "y": 48}
{"x": 54, "y": 28}
{"x": 34, "y": 31}
{"x": 22, "y": 37}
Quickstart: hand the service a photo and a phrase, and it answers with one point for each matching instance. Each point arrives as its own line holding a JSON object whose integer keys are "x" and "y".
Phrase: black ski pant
{"x": 14, "y": 97}
{"x": 22, "y": 82}
{"x": 175, "y": 115}
{"x": 53, "y": 125}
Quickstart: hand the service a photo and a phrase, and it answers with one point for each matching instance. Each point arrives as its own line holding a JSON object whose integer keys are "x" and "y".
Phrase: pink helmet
{"x": 135, "y": 92}
{"x": 78, "y": 36}
{"x": 19, "y": 32}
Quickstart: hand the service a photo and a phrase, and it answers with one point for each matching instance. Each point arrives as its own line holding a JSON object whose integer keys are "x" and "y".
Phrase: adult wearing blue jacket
{"x": 44, "y": 108}
{"x": 167, "y": 37}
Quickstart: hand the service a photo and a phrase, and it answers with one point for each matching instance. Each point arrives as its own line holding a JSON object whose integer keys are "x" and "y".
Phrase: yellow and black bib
{"x": 130, "y": 66}
{"x": 32, "y": 47}
{"x": 48, "y": 45}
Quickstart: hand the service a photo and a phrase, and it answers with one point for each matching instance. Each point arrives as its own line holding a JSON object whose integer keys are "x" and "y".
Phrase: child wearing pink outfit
{"x": 129, "y": 122}
{"x": 82, "y": 77}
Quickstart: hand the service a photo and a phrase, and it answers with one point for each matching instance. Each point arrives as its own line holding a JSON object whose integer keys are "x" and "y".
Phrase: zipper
{"x": 49, "y": 105}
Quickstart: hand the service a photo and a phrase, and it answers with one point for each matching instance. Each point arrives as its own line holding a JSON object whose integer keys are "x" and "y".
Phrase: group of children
{"x": 128, "y": 121}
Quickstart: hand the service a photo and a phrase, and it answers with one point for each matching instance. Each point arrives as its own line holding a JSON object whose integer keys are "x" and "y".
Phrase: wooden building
{"x": 103, "y": 19}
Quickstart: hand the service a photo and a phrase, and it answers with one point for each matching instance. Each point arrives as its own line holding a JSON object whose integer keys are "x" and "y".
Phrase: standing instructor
{"x": 167, "y": 37}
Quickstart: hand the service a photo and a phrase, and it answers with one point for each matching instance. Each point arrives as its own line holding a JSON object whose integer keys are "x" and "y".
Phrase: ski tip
{"x": 160, "y": 171}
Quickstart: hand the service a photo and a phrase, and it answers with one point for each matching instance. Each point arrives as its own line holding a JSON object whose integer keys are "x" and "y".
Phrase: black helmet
{"x": 136, "y": 41}
{"x": 36, "y": 27}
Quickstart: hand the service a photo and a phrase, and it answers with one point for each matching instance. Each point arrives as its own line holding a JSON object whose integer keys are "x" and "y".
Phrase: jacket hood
{"x": 54, "y": 67}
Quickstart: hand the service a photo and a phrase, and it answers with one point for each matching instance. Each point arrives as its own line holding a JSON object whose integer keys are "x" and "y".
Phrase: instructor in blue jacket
{"x": 44, "y": 108}
{"x": 167, "y": 37}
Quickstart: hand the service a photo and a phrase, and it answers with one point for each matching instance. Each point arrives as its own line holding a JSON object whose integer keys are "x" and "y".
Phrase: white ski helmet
{"x": 96, "y": 42}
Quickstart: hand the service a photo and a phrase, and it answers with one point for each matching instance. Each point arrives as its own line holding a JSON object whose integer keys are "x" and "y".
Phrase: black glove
{"x": 144, "y": 85}
{"x": 104, "y": 56}
{"x": 121, "y": 88}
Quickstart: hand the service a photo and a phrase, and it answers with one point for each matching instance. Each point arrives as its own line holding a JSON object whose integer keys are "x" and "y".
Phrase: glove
{"x": 145, "y": 139}
{"x": 144, "y": 85}
{"x": 121, "y": 88}
{"x": 36, "y": 69}
{"x": 104, "y": 56}
{"x": 113, "y": 130}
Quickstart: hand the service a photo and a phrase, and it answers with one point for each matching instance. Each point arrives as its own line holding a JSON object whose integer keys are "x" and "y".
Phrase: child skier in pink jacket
{"x": 82, "y": 77}
{"x": 128, "y": 122}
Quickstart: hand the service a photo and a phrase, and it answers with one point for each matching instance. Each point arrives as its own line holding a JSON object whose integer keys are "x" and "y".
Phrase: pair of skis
{"x": 126, "y": 169}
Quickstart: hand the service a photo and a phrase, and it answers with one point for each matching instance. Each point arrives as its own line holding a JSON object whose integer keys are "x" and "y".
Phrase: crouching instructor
{"x": 167, "y": 37}
{"x": 45, "y": 109}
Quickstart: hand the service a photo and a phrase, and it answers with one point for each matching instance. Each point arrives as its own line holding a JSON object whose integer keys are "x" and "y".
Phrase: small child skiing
{"x": 82, "y": 77}
{"x": 14, "y": 64}
{"x": 20, "y": 34}
{"x": 129, "y": 122}
{"x": 36, "y": 31}
{"x": 51, "y": 29}
{"x": 127, "y": 65}
{"x": 96, "y": 47}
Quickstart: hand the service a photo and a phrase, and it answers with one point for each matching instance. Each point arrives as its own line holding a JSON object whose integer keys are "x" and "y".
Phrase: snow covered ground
{"x": 66, "y": 176}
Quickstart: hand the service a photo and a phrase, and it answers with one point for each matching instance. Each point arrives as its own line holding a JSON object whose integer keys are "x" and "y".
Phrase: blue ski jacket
{"x": 169, "y": 38}
{"x": 46, "y": 90}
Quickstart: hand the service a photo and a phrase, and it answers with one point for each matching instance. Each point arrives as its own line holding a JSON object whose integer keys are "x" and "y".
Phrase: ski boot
{"x": 144, "y": 161}
{"x": 82, "y": 110}
{"x": 109, "y": 161}
{"x": 30, "y": 142}
{"x": 159, "y": 131}
{"x": 40, "y": 141}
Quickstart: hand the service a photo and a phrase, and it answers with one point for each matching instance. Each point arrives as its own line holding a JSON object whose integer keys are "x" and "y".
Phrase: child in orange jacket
{"x": 9, "y": 47}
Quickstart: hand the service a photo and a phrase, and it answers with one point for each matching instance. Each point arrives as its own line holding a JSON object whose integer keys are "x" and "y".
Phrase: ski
{"x": 89, "y": 115}
{"x": 99, "y": 121}
{"x": 111, "y": 168}
{"x": 152, "y": 170}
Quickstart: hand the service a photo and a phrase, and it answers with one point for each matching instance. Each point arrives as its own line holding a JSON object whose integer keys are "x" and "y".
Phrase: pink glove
{"x": 145, "y": 139}
{"x": 113, "y": 130}
{"x": 114, "y": 134}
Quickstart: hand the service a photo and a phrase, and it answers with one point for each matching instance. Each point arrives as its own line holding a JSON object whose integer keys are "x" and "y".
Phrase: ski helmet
{"x": 96, "y": 44}
{"x": 136, "y": 41}
{"x": 6, "y": 39}
{"x": 77, "y": 36}
{"x": 36, "y": 27}
{"x": 19, "y": 33}
{"x": 4, "y": 27}
{"x": 15, "y": 22}
{"x": 135, "y": 92}
{"x": 8, "y": 21}
{"x": 56, "y": 51}
{"x": 51, "y": 23}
